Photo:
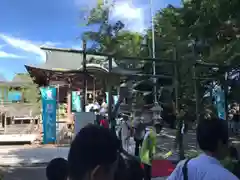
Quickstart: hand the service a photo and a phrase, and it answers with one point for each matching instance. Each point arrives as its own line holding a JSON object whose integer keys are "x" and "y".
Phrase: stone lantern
{"x": 157, "y": 113}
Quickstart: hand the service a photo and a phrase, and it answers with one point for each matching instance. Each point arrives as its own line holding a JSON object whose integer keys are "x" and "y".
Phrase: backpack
{"x": 185, "y": 170}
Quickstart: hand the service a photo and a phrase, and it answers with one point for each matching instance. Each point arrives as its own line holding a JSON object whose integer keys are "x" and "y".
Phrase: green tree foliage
{"x": 215, "y": 22}
{"x": 29, "y": 88}
{"x": 203, "y": 31}
{"x": 199, "y": 30}
{"x": 30, "y": 91}
{"x": 110, "y": 36}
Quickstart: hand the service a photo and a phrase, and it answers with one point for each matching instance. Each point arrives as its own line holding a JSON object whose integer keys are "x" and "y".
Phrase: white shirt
{"x": 139, "y": 131}
{"x": 202, "y": 167}
{"x": 125, "y": 130}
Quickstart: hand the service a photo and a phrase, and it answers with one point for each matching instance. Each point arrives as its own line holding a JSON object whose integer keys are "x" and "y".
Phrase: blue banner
{"x": 106, "y": 97}
{"x": 76, "y": 102}
{"x": 115, "y": 98}
{"x": 219, "y": 97}
{"x": 49, "y": 106}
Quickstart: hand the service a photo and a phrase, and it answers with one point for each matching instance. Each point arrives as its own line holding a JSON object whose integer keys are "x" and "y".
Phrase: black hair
{"x": 121, "y": 170}
{"x": 134, "y": 169}
{"x": 233, "y": 152}
{"x": 129, "y": 168}
{"x": 57, "y": 169}
{"x": 210, "y": 132}
{"x": 92, "y": 146}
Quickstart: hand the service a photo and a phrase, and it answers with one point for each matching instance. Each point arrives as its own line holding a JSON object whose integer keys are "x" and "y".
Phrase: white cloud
{"x": 4, "y": 54}
{"x": 124, "y": 10}
{"x": 77, "y": 47}
{"x": 132, "y": 17}
{"x": 24, "y": 45}
{"x": 27, "y": 46}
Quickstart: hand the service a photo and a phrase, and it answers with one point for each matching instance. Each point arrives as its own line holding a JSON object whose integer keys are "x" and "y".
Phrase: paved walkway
{"x": 30, "y": 173}
{"x": 30, "y": 155}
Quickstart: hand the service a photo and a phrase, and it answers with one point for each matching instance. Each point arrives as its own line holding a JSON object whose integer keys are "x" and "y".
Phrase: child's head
{"x": 57, "y": 169}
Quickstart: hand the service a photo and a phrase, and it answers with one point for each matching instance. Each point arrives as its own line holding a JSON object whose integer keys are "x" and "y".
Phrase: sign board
{"x": 82, "y": 119}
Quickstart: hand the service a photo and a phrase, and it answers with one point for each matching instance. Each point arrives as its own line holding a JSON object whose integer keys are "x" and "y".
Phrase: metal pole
{"x": 176, "y": 80}
{"x": 195, "y": 79}
{"x": 196, "y": 93}
{"x": 94, "y": 89}
{"x": 85, "y": 71}
{"x": 110, "y": 102}
{"x": 153, "y": 52}
{"x": 226, "y": 95}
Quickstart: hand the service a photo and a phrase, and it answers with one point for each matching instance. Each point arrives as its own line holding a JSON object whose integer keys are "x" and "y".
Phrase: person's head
{"x": 134, "y": 170}
{"x": 233, "y": 153}
{"x": 212, "y": 137}
{"x": 93, "y": 154}
{"x": 121, "y": 169}
{"x": 57, "y": 169}
{"x": 125, "y": 117}
{"x": 129, "y": 169}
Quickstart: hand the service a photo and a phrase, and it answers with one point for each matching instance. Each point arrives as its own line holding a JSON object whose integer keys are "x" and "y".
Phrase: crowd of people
{"x": 99, "y": 153}
{"x": 96, "y": 153}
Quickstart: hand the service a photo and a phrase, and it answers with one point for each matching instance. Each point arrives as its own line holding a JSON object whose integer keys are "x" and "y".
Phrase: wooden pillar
{"x": 85, "y": 75}
{"x": 69, "y": 101}
{"x": 2, "y": 94}
{"x": 5, "y": 123}
{"x": 7, "y": 92}
{"x": 58, "y": 103}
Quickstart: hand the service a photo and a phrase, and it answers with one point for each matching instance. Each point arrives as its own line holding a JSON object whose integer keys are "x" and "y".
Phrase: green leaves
{"x": 110, "y": 37}
{"x": 214, "y": 24}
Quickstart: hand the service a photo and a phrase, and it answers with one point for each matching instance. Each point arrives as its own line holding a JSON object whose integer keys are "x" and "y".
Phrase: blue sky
{"x": 26, "y": 25}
